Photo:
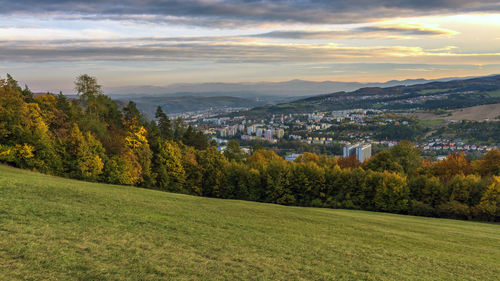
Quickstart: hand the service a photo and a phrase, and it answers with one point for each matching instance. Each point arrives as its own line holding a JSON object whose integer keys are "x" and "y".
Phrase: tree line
{"x": 91, "y": 138}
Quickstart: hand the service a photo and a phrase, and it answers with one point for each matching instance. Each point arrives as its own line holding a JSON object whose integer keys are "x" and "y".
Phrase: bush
{"x": 421, "y": 209}
{"x": 316, "y": 203}
{"x": 453, "y": 210}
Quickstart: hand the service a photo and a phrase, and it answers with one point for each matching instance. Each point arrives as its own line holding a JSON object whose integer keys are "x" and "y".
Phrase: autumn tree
{"x": 84, "y": 155}
{"x": 194, "y": 176}
{"x": 136, "y": 141}
{"x": 489, "y": 206}
{"x": 454, "y": 164}
{"x": 168, "y": 166}
{"x": 392, "y": 195}
{"x": 489, "y": 164}
{"x": 349, "y": 162}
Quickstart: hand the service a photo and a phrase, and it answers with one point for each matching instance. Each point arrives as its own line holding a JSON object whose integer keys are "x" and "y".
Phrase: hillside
{"x": 189, "y": 103}
{"x": 179, "y": 98}
{"x": 59, "y": 229}
{"x": 292, "y": 88}
{"x": 452, "y": 94}
{"x": 474, "y": 113}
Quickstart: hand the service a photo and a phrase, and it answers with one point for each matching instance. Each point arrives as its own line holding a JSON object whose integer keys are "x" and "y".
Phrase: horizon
{"x": 233, "y": 41}
{"x": 242, "y": 83}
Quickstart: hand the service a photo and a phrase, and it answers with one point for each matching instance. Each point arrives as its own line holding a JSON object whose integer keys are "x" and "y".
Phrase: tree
{"x": 87, "y": 87}
{"x": 489, "y": 206}
{"x": 194, "y": 175}
{"x": 489, "y": 164}
{"x": 132, "y": 114}
{"x": 136, "y": 140}
{"x": 464, "y": 189}
{"x": 307, "y": 183}
{"x": 350, "y": 162}
{"x": 11, "y": 106}
{"x": 454, "y": 164}
{"x": 212, "y": 164}
{"x": 307, "y": 157}
{"x": 407, "y": 156}
{"x": 260, "y": 158}
{"x": 383, "y": 161}
{"x": 85, "y": 155}
{"x": 164, "y": 124}
{"x": 195, "y": 139}
{"x": 392, "y": 195}
{"x": 426, "y": 189}
{"x": 234, "y": 152}
{"x": 277, "y": 175}
{"x": 168, "y": 166}
{"x": 179, "y": 129}
{"x": 123, "y": 169}
{"x": 97, "y": 112}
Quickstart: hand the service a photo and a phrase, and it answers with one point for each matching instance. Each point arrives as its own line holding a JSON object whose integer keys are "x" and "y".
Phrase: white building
{"x": 363, "y": 151}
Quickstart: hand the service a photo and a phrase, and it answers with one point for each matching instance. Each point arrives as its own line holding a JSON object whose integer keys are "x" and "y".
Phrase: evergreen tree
{"x": 164, "y": 124}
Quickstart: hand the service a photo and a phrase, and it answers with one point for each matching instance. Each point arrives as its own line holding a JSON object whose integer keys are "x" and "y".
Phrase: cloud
{"x": 230, "y": 50}
{"x": 406, "y": 30}
{"x": 400, "y": 31}
{"x": 239, "y": 12}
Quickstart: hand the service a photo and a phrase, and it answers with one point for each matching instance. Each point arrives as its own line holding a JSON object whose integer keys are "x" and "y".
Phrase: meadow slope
{"x": 60, "y": 229}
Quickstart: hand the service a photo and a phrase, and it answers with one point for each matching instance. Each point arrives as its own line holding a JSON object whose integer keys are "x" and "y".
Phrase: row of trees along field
{"x": 91, "y": 138}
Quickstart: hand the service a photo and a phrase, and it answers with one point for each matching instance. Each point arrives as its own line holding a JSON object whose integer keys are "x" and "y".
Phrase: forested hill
{"x": 446, "y": 95}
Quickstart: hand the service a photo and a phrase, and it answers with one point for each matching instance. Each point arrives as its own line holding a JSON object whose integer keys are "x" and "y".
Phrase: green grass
{"x": 494, "y": 94}
{"x": 432, "y": 122}
{"x": 433, "y": 91}
{"x": 60, "y": 229}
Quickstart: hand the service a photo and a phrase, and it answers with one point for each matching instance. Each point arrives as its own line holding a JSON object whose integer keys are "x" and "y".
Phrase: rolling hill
{"x": 189, "y": 103}
{"x": 59, "y": 229}
{"x": 178, "y": 98}
{"x": 452, "y": 94}
{"x": 292, "y": 88}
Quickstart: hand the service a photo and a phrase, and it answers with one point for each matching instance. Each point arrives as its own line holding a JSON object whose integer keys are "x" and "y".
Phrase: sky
{"x": 46, "y": 44}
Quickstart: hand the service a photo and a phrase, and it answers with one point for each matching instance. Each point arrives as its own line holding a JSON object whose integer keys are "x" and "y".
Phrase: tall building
{"x": 268, "y": 135}
{"x": 279, "y": 133}
{"x": 251, "y": 130}
{"x": 363, "y": 151}
{"x": 259, "y": 132}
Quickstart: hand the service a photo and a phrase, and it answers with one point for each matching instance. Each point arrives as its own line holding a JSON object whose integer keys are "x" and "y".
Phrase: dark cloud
{"x": 363, "y": 32}
{"x": 230, "y": 13}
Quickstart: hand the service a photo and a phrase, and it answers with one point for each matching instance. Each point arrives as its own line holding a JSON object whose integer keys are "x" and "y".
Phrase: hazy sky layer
{"x": 46, "y": 44}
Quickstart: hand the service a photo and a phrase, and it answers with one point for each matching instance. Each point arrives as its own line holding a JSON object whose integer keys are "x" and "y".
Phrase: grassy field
{"x": 60, "y": 229}
{"x": 432, "y": 122}
{"x": 494, "y": 94}
{"x": 473, "y": 113}
{"x": 433, "y": 91}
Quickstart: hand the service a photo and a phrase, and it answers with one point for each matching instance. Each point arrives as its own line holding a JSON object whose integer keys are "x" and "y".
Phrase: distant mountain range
{"x": 179, "y": 98}
{"x": 293, "y": 88}
{"x": 454, "y": 93}
{"x": 188, "y": 103}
